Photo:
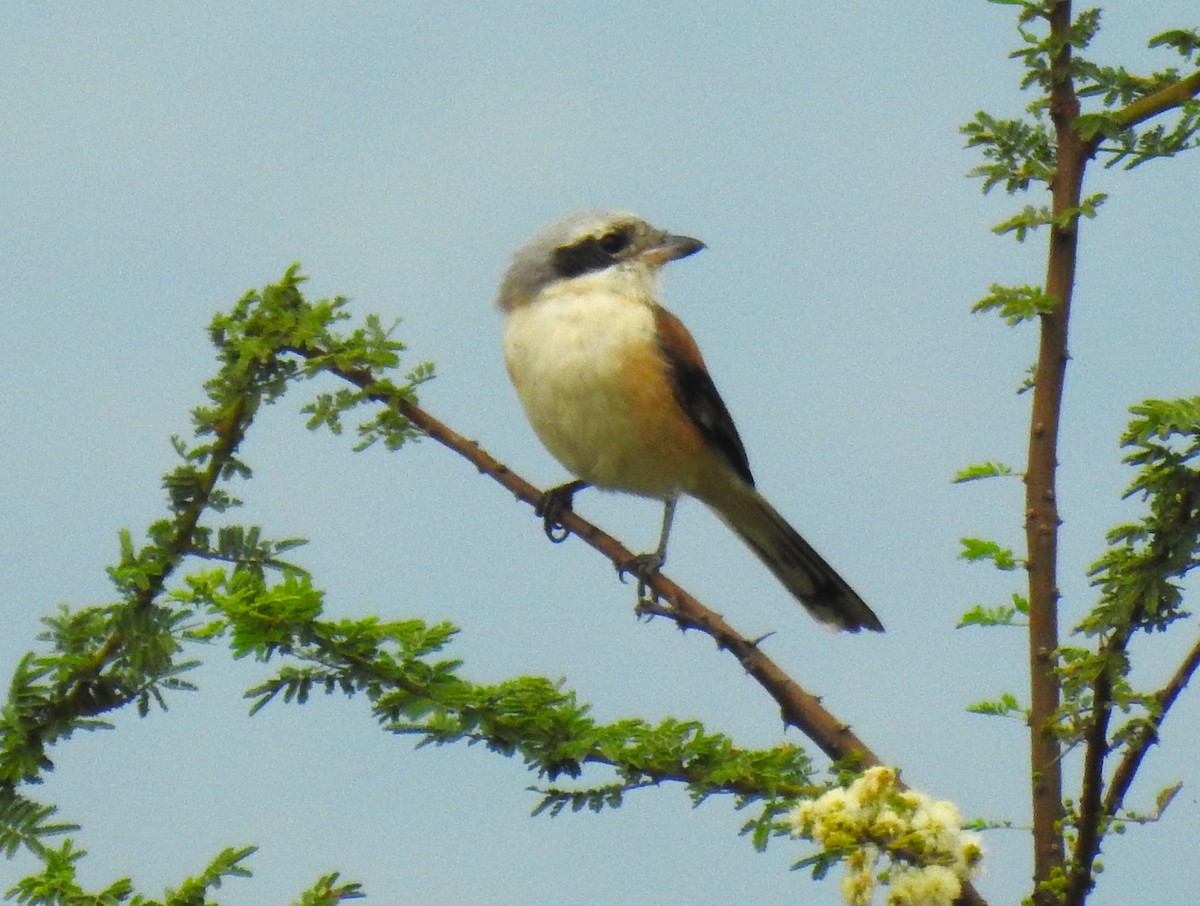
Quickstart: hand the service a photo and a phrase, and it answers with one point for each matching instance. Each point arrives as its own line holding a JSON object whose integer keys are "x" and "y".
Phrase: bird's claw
{"x": 645, "y": 567}
{"x": 551, "y": 507}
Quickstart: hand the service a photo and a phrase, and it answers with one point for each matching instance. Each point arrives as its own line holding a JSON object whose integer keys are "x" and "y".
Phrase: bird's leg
{"x": 553, "y": 504}
{"x": 644, "y": 566}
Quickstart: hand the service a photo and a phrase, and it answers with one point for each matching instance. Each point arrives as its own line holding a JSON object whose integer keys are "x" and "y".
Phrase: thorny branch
{"x": 798, "y": 708}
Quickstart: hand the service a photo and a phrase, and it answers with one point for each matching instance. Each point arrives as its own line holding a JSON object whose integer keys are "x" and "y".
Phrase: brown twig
{"x": 798, "y": 708}
{"x": 1090, "y": 817}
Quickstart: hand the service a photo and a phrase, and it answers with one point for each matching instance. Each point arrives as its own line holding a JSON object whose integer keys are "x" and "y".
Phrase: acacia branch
{"x": 1174, "y": 95}
{"x": 1041, "y": 505}
{"x": 1090, "y": 820}
{"x": 83, "y": 692}
{"x": 797, "y": 707}
{"x": 1128, "y": 766}
{"x": 1042, "y": 520}
{"x": 1096, "y": 806}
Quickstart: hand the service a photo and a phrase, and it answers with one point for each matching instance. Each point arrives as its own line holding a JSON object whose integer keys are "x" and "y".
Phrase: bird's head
{"x": 585, "y": 244}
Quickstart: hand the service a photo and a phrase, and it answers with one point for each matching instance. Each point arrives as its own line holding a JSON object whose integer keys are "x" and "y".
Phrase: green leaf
{"x": 1139, "y": 575}
{"x": 1016, "y": 152}
{"x": 983, "y": 470}
{"x": 1003, "y": 615}
{"x": 977, "y": 549}
{"x": 1016, "y": 304}
{"x": 327, "y": 892}
{"x": 1005, "y": 706}
{"x": 23, "y": 823}
{"x": 1185, "y": 41}
{"x": 1021, "y": 224}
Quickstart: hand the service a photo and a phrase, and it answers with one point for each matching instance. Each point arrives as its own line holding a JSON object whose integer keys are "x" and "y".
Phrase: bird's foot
{"x": 644, "y": 567}
{"x": 553, "y": 504}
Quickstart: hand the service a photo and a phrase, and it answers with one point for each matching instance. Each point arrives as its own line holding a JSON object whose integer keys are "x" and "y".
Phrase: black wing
{"x": 698, "y": 395}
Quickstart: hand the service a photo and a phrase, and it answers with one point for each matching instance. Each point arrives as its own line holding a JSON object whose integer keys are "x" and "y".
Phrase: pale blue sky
{"x": 157, "y": 160}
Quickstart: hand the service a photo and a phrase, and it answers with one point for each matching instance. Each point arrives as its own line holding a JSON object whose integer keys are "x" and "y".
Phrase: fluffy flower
{"x": 888, "y": 825}
{"x": 858, "y": 888}
{"x": 831, "y": 819}
{"x": 933, "y": 885}
{"x": 873, "y": 785}
{"x": 938, "y": 824}
{"x": 928, "y": 854}
{"x": 969, "y": 855}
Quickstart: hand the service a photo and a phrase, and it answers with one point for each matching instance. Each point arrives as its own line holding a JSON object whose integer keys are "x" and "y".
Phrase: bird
{"x": 617, "y": 391}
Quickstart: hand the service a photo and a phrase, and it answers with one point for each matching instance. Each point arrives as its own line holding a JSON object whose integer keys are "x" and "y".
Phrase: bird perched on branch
{"x": 616, "y": 389}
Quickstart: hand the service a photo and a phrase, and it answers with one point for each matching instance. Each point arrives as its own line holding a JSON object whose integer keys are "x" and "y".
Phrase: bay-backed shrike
{"x": 616, "y": 389}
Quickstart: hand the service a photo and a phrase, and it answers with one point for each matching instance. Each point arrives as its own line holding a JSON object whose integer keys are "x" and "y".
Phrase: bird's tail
{"x": 804, "y": 572}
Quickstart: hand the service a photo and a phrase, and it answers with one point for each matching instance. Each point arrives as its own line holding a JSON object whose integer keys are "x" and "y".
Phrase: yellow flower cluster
{"x": 927, "y": 853}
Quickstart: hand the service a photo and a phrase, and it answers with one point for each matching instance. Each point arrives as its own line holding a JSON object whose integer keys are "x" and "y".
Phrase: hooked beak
{"x": 670, "y": 247}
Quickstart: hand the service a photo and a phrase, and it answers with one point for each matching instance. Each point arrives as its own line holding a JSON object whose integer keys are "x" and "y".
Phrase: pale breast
{"x": 592, "y": 382}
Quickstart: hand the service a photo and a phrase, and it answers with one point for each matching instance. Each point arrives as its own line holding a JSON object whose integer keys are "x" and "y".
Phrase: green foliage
{"x": 1124, "y": 145}
{"x": 1138, "y": 575}
{"x": 327, "y": 892}
{"x": 1084, "y": 109}
{"x": 23, "y": 823}
{"x": 193, "y": 891}
{"x": 979, "y": 549}
{"x": 1081, "y": 669}
{"x": 1031, "y": 218}
{"x": 1185, "y": 42}
{"x": 1017, "y": 303}
{"x": 1137, "y": 578}
{"x": 983, "y": 470}
{"x": 1005, "y": 706}
{"x": 1019, "y": 152}
{"x": 128, "y": 651}
{"x": 1002, "y": 615}
{"x": 247, "y": 594}
{"x": 245, "y": 547}
{"x": 56, "y": 884}
{"x": 1042, "y": 46}
{"x": 397, "y": 666}
{"x": 1136, "y": 98}
{"x": 1016, "y": 152}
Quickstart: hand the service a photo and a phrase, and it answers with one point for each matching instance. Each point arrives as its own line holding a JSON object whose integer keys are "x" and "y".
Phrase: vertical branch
{"x": 1091, "y": 814}
{"x": 1041, "y": 513}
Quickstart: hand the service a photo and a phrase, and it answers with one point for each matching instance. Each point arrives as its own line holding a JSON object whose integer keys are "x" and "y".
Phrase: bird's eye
{"x": 614, "y": 242}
